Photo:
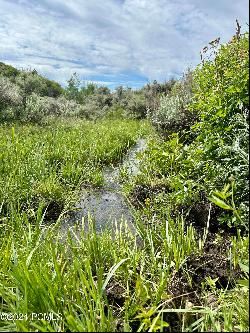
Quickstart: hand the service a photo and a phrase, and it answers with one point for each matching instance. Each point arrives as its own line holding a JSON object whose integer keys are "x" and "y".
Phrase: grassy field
{"x": 43, "y": 167}
{"x": 100, "y": 282}
{"x": 107, "y": 284}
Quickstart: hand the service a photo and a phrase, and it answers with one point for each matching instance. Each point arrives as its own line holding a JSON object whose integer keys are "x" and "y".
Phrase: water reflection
{"x": 107, "y": 205}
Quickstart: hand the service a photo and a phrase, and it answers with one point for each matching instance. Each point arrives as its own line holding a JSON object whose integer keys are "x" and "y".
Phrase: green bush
{"x": 38, "y": 107}
{"x": 172, "y": 114}
{"x": 8, "y": 71}
{"x": 211, "y": 167}
{"x": 136, "y": 107}
{"x": 221, "y": 98}
{"x": 11, "y": 100}
{"x": 91, "y": 109}
{"x": 10, "y": 93}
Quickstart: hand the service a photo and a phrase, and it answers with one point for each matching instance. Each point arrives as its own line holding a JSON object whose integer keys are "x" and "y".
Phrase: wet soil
{"x": 115, "y": 293}
{"x": 106, "y": 205}
{"x": 53, "y": 211}
{"x": 142, "y": 192}
{"x": 187, "y": 285}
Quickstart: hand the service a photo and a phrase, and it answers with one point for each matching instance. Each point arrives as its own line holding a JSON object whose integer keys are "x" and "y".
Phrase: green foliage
{"x": 172, "y": 113}
{"x": 221, "y": 98}
{"x": 88, "y": 101}
{"x": 39, "y": 165}
{"x": 8, "y": 71}
{"x": 30, "y": 82}
{"x": 138, "y": 103}
{"x": 10, "y": 93}
{"x": 136, "y": 107}
{"x": 86, "y": 91}
{"x": 73, "y": 87}
{"x": 53, "y": 89}
{"x": 214, "y": 152}
{"x": 120, "y": 281}
{"x": 152, "y": 92}
{"x": 26, "y": 96}
{"x": 80, "y": 280}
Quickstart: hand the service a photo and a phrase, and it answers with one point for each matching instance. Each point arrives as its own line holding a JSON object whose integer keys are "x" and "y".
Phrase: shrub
{"x": 30, "y": 82}
{"x": 221, "y": 98}
{"x": 153, "y": 91}
{"x": 53, "y": 89}
{"x": 8, "y": 71}
{"x": 115, "y": 112}
{"x": 34, "y": 109}
{"x": 38, "y": 107}
{"x": 10, "y": 99}
{"x": 172, "y": 114}
{"x": 92, "y": 109}
{"x": 10, "y": 93}
{"x": 67, "y": 107}
{"x": 213, "y": 167}
{"x": 136, "y": 107}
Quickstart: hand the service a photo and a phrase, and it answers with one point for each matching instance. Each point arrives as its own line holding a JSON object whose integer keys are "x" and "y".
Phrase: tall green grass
{"x": 43, "y": 165}
{"x": 103, "y": 282}
{"x": 92, "y": 282}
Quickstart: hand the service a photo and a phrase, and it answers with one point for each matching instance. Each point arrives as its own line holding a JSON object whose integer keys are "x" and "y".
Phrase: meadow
{"x": 44, "y": 166}
{"x": 97, "y": 282}
{"x": 185, "y": 266}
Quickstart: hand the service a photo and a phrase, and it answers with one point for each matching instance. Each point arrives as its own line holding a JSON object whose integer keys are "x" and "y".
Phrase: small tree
{"x": 72, "y": 90}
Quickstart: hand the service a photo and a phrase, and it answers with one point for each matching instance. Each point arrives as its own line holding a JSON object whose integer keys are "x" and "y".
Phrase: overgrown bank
{"x": 42, "y": 168}
{"x": 206, "y": 163}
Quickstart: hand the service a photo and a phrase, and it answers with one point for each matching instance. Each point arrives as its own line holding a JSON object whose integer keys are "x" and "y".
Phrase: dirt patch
{"x": 141, "y": 192}
{"x": 53, "y": 211}
{"x": 115, "y": 293}
{"x": 200, "y": 212}
{"x": 186, "y": 284}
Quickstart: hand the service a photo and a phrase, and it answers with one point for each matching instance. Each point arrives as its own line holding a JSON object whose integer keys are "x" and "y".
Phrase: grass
{"x": 46, "y": 165}
{"x": 95, "y": 282}
{"x": 74, "y": 281}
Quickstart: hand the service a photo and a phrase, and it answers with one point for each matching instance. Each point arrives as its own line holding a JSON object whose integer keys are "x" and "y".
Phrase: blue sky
{"x": 114, "y": 42}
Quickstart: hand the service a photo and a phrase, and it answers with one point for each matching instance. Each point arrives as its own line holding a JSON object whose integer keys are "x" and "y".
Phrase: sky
{"x": 114, "y": 42}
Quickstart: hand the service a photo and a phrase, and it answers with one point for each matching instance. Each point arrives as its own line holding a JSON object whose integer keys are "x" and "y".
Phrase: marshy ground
{"x": 97, "y": 279}
{"x": 107, "y": 204}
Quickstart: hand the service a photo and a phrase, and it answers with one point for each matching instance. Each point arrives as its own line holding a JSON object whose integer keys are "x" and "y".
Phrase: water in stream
{"x": 107, "y": 204}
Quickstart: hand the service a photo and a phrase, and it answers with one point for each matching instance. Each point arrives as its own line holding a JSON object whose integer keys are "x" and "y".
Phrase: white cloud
{"x": 102, "y": 40}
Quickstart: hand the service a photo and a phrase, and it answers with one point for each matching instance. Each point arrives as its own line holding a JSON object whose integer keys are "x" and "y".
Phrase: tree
{"x": 72, "y": 90}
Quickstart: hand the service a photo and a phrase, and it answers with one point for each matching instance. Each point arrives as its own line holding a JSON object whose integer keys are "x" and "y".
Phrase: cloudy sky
{"x": 113, "y": 42}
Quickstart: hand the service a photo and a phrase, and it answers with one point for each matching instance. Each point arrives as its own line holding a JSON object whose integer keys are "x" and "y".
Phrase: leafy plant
{"x": 172, "y": 113}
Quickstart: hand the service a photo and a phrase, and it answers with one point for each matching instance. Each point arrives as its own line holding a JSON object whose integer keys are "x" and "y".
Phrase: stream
{"x": 106, "y": 205}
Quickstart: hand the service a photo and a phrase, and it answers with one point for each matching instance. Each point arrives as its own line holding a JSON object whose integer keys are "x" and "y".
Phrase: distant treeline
{"x": 29, "y": 97}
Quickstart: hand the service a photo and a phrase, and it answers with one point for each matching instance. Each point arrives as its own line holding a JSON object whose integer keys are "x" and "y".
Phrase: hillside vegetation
{"x": 185, "y": 266}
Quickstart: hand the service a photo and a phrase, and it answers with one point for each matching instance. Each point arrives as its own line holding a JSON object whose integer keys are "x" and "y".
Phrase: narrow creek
{"x": 106, "y": 205}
